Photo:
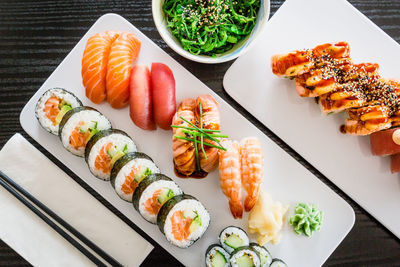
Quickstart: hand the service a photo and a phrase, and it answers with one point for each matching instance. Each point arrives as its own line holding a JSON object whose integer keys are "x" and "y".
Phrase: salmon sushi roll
{"x": 104, "y": 149}
{"x": 152, "y": 193}
{"x": 52, "y": 106}
{"x": 129, "y": 171}
{"x": 123, "y": 54}
{"x": 78, "y": 126}
{"x": 183, "y": 220}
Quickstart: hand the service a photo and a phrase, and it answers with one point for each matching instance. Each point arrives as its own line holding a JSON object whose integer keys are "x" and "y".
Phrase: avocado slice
{"x": 116, "y": 154}
{"x": 64, "y": 109}
{"x": 196, "y": 223}
{"x": 143, "y": 173}
{"x": 234, "y": 241}
{"x": 165, "y": 195}
{"x": 116, "y": 157}
{"x": 218, "y": 260}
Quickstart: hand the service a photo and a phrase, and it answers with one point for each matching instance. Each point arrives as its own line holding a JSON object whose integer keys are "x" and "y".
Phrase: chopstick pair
{"x": 22, "y": 195}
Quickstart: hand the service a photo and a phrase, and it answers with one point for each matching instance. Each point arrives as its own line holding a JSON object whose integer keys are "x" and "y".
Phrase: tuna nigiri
{"x": 94, "y": 65}
{"x": 123, "y": 54}
{"x": 163, "y": 93}
{"x": 140, "y": 99}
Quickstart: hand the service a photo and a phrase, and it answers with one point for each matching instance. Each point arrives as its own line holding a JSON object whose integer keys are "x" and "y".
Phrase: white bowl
{"x": 237, "y": 50}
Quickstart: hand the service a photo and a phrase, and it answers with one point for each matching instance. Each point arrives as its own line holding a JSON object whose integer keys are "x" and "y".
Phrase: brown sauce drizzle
{"x": 361, "y": 79}
{"x": 196, "y": 174}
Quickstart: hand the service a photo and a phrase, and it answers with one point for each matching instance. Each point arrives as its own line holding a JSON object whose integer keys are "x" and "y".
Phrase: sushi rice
{"x": 62, "y": 101}
{"x": 120, "y": 142}
{"x": 133, "y": 161}
{"x": 84, "y": 119}
{"x": 164, "y": 187}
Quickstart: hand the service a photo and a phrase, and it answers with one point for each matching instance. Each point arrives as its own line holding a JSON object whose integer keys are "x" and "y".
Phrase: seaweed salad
{"x": 210, "y": 27}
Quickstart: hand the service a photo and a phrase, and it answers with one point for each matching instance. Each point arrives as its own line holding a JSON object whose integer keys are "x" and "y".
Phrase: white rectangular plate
{"x": 285, "y": 178}
{"x": 345, "y": 160}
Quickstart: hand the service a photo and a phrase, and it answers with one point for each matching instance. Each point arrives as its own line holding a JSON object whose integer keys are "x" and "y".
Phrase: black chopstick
{"x": 6, "y": 181}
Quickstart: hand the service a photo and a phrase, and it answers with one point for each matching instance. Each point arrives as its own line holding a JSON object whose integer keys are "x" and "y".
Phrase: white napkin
{"x": 38, "y": 243}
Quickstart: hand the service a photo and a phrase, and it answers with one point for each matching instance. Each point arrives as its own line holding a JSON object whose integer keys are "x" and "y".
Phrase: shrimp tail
{"x": 236, "y": 209}
{"x": 249, "y": 203}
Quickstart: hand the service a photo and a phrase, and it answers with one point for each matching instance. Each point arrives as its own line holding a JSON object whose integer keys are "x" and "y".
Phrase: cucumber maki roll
{"x": 104, "y": 149}
{"x": 52, "y": 106}
{"x": 263, "y": 253}
{"x": 183, "y": 220}
{"x": 278, "y": 263}
{"x": 152, "y": 192}
{"x": 216, "y": 256}
{"x": 233, "y": 237}
{"x": 245, "y": 257}
{"x": 129, "y": 171}
{"x": 79, "y": 125}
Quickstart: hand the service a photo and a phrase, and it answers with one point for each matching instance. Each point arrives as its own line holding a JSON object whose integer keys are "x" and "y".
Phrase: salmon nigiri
{"x": 184, "y": 151}
{"x": 94, "y": 65}
{"x": 210, "y": 118}
{"x": 123, "y": 54}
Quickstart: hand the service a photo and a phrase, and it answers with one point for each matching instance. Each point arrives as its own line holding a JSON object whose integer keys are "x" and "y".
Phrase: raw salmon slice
{"x": 180, "y": 225}
{"x": 51, "y": 108}
{"x": 123, "y": 54}
{"x": 94, "y": 65}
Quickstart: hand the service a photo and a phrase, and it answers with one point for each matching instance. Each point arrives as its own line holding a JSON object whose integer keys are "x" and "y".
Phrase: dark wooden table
{"x": 36, "y": 35}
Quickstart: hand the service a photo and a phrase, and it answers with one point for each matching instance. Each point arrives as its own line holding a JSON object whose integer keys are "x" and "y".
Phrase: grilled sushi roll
{"x": 233, "y": 237}
{"x": 183, "y": 151}
{"x": 300, "y": 61}
{"x": 341, "y": 99}
{"x": 263, "y": 253}
{"x": 244, "y": 257}
{"x": 104, "y": 149}
{"x": 183, "y": 220}
{"x": 216, "y": 256}
{"x": 129, "y": 171}
{"x": 52, "y": 106}
{"x": 366, "y": 120}
{"x": 78, "y": 126}
{"x": 333, "y": 77}
{"x": 152, "y": 192}
{"x": 210, "y": 118}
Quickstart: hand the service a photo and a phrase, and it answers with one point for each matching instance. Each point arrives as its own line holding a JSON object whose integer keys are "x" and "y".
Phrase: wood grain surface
{"x": 36, "y": 35}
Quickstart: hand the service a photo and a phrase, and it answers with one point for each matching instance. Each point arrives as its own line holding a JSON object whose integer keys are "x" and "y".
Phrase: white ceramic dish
{"x": 285, "y": 178}
{"x": 345, "y": 160}
{"x": 237, "y": 50}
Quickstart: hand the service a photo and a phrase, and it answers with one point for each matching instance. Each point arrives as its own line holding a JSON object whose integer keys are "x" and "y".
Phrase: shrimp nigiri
{"x": 229, "y": 176}
{"x": 252, "y": 169}
{"x": 183, "y": 151}
{"x": 123, "y": 54}
{"x": 211, "y": 120}
{"x": 94, "y": 65}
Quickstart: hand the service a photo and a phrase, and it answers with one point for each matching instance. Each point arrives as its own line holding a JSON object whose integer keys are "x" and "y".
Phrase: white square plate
{"x": 285, "y": 178}
{"x": 345, "y": 160}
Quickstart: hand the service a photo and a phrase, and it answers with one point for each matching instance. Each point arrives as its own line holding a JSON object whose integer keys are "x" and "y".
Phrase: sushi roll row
{"x": 234, "y": 249}
{"x": 112, "y": 156}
